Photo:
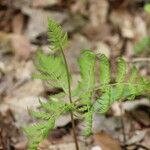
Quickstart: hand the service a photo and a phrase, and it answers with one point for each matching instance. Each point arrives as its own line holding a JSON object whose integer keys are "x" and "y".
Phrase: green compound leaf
{"x": 52, "y": 69}
{"x": 87, "y": 70}
{"x": 89, "y": 98}
{"x": 104, "y": 70}
{"x": 140, "y": 46}
{"x": 121, "y": 72}
{"x": 88, "y": 120}
{"x": 120, "y": 78}
{"x": 147, "y": 8}
{"x": 56, "y": 35}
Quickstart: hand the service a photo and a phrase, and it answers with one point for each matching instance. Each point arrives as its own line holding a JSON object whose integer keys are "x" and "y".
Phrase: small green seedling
{"x": 142, "y": 45}
{"x": 147, "y": 8}
{"x": 88, "y": 97}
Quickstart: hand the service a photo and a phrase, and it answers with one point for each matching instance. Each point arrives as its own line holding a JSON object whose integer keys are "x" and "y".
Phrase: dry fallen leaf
{"x": 21, "y": 46}
{"x": 137, "y": 137}
{"x": 46, "y": 145}
{"x": 43, "y": 3}
{"x": 106, "y": 142}
{"x": 18, "y": 23}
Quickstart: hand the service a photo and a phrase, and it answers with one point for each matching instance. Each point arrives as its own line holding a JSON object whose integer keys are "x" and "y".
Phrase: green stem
{"x": 70, "y": 99}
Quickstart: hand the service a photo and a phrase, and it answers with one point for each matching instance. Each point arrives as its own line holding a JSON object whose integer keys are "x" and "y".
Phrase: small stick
{"x": 123, "y": 126}
{"x": 136, "y": 60}
{"x": 137, "y": 146}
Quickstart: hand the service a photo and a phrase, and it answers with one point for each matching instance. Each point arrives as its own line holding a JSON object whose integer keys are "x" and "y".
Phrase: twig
{"x": 142, "y": 146}
{"x": 123, "y": 127}
{"x": 137, "y": 146}
{"x": 136, "y": 60}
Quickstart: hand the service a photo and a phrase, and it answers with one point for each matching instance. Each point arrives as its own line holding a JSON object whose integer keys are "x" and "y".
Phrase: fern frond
{"x": 34, "y": 142}
{"x": 51, "y": 106}
{"x": 133, "y": 76}
{"x": 132, "y": 79}
{"x": 51, "y": 111}
{"x": 52, "y": 69}
{"x": 121, "y": 90}
{"x": 69, "y": 107}
{"x": 104, "y": 70}
{"x": 88, "y": 118}
{"x": 39, "y": 115}
{"x": 129, "y": 92}
{"x": 56, "y": 35}
{"x": 103, "y": 103}
{"x": 82, "y": 109}
{"x": 143, "y": 86}
{"x": 87, "y": 64}
{"x": 37, "y": 132}
{"x": 121, "y": 72}
{"x": 137, "y": 85}
{"x": 120, "y": 78}
{"x": 56, "y": 108}
{"x": 32, "y": 130}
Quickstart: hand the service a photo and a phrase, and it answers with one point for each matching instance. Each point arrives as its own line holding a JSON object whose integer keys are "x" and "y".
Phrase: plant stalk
{"x": 70, "y": 99}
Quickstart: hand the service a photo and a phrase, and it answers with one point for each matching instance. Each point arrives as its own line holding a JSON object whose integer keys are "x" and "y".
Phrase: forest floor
{"x": 111, "y": 27}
